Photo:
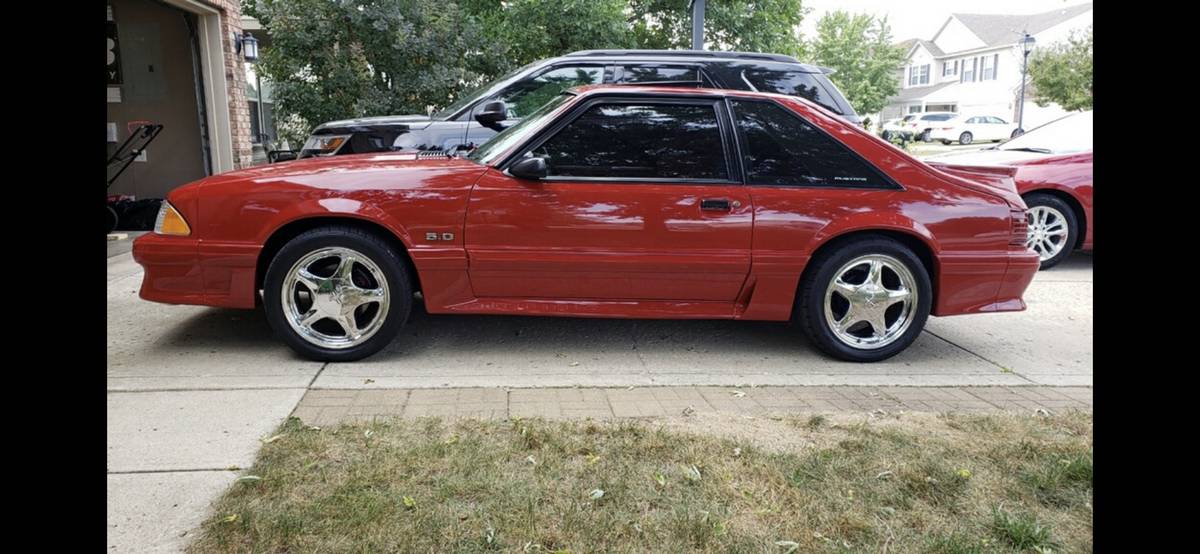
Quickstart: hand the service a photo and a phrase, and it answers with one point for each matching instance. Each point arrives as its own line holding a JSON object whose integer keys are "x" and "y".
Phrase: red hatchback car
{"x": 630, "y": 202}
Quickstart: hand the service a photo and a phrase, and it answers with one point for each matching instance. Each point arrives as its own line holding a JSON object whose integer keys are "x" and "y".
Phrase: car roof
{"x": 695, "y": 56}
{"x": 660, "y": 90}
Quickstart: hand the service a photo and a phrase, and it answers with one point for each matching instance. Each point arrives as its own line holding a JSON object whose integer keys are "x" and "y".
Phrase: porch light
{"x": 246, "y": 45}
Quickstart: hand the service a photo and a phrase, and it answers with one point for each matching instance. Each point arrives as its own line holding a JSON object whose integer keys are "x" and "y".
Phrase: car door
{"x": 642, "y": 202}
{"x": 1000, "y": 128}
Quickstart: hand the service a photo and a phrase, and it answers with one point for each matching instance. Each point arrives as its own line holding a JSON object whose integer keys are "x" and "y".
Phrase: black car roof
{"x": 696, "y": 56}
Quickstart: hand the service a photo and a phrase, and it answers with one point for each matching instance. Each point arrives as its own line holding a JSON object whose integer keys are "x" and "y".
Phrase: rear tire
{"x": 112, "y": 219}
{"x": 308, "y": 296}
{"x": 966, "y": 138}
{"x": 818, "y": 306}
{"x": 1016, "y": 133}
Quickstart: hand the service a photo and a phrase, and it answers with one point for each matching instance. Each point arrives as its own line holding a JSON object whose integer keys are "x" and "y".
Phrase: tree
{"x": 743, "y": 25}
{"x": 1063, "y": 73}
{"x": 347, "y": 58}
{"x": 859, "y": 47}
{"x": 523, "y": 31}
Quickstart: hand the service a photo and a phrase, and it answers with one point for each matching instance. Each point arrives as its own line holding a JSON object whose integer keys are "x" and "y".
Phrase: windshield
{"x": 479, "y": 92}
{"x": 490, "y": 150}
{"x": 1065, "y": 135}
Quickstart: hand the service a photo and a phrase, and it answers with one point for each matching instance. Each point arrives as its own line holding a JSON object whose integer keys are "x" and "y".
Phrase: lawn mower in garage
{"x": 124, "y": 209}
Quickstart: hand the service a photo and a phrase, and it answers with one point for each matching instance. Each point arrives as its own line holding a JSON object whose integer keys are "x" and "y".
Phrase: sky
{"x": 922, "y": 18}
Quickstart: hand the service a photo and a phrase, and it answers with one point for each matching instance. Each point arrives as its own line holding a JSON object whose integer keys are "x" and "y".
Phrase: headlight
{"x": 325, "y": 145}
{"x": 170, "y": 222}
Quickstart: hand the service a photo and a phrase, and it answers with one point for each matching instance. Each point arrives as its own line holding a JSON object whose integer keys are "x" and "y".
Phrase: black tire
{"x": 112, "y": 219}
{"x": 966, "y": 138}
{"x": 886, "y": 135}
{"x": 381, "y": 254}
{"x": 1016, "y": 133}
{"x": 946, "y": 142}
{"x": 809, "y": 309}
{"x": 1035, "y": 199}
{"x": 924, "y": 137}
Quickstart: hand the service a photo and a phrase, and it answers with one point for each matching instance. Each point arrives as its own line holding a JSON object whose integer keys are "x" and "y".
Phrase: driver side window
{"x": 526, "y": 96}
{"x": 639, "y": 140}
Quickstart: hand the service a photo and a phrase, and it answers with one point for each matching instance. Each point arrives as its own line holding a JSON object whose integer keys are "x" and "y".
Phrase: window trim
{"x": 548, "y": 132}
{"x": 890, "y": 184}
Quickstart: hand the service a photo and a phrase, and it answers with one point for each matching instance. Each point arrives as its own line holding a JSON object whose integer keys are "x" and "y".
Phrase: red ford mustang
{"x": 633, "y": 202}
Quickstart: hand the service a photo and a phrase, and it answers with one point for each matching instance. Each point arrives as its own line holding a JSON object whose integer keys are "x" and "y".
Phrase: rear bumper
{"x": 184, "y": 270}
{"x": 985, "y": 284}
{"x": 1023, "y": 265}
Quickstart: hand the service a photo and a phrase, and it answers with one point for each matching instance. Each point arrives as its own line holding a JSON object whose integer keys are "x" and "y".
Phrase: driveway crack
{"x": 993, "y": 362}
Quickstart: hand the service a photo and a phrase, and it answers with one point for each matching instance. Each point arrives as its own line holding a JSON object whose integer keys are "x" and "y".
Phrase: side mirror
{"x": 530, "y": 168}
{"x": 275, "y": 156}
{"x": 492, "y": 114}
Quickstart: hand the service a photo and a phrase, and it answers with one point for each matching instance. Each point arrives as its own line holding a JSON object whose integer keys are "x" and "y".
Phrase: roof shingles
{"x": 996, "y": 30}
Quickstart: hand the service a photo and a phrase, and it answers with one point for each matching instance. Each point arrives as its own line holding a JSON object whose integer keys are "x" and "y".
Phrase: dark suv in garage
{"x": 464, "y": 123}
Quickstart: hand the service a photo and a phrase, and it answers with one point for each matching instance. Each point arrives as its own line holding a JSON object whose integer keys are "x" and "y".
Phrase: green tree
{"x": 860, "y": 48}
{"x": 1062, "y": 73}
{"x": 523, "y": 31}
{"x": 742, "y": 25}
{"x": 347, "y": 58}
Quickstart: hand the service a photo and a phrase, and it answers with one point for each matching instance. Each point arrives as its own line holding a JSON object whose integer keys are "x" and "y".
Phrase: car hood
{"x": 361, "y": 124}
{"x": 346, "y": 164}
{"x": 988, "y": 157}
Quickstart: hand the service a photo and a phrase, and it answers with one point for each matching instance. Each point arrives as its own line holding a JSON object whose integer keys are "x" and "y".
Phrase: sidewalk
{"x": 332, "y": 406}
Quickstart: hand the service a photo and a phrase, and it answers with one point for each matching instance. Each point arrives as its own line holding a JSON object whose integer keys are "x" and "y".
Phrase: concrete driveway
{"x": 192, "y": 390}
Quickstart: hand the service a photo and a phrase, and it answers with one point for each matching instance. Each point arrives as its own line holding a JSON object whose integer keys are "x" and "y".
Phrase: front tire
{"x": 925, "y": 135}
{"x": 864, "y": 300}
{"x": 966, "y": 138}
{"x": 337, "y": 294}
{"x": 1053, "y": 228}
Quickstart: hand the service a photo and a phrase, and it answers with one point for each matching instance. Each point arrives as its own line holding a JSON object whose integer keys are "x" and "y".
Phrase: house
{"x": 972, "y": 65}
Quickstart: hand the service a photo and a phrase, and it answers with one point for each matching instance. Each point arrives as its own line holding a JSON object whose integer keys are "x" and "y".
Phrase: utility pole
{"x": 697, "y": 24}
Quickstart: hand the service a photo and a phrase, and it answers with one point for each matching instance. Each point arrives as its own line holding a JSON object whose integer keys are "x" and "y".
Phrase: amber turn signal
{"x": 170, "y": 222}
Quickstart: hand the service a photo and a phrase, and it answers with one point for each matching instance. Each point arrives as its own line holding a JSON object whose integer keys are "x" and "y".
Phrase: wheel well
{"x": 282, "y": 235}
{"x": 1075, "y": 207}
{"x": 918, "y": 246}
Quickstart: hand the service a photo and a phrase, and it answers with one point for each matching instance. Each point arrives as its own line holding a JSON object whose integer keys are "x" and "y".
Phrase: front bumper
{"x": 184, "y": 270}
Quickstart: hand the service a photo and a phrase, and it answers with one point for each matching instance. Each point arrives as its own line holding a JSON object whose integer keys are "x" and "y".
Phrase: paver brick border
{"x": 332, "y": 406}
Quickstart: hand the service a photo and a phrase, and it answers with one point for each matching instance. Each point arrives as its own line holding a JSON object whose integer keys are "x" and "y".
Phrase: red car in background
{"x": 630, "y": 202}
{"x": 1054, "y": 176}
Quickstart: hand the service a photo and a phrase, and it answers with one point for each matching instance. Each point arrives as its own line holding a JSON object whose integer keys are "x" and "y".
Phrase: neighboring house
{"x": 972, "y": 65}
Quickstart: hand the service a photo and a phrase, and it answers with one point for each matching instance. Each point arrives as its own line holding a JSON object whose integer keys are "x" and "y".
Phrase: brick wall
{"x": 235, "y": 79}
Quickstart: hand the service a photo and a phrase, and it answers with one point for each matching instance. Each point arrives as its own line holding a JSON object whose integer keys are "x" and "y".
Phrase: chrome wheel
{"x": 1047, "y": 231}
{"x": 335, "y": 297}
{"x": 870, "y": 301}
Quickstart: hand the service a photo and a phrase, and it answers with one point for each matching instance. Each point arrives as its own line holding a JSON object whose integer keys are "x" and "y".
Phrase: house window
{"x": 968, "y": 71}
{"x": 915, "y": 108}
{"x": 988, "y": 71}
{"x": 948, "y": 68}
{"x": 918, "y": 75}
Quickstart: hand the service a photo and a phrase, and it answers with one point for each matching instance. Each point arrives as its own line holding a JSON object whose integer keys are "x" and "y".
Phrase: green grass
{"x": 919, "y": 483}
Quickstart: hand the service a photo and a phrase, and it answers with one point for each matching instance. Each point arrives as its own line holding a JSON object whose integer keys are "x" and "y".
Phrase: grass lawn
{"x": 907, "y": 483}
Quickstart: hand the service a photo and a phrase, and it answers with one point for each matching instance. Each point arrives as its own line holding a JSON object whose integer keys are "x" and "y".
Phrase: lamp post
{"x": 1027, "y": 47}
{"x": 697, "y": 24}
